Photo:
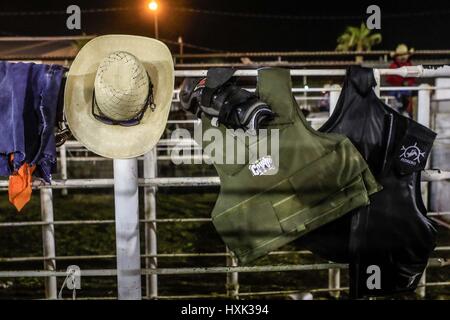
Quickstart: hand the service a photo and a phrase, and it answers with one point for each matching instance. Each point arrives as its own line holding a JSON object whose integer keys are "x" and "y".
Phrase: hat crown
{"x": 121, "y": 86}
{"x": 402, "y": 48}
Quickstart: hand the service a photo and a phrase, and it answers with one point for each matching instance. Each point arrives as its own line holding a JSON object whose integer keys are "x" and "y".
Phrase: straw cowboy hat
{"x": 118, "y": 94}
{"x": 402, "y": 50}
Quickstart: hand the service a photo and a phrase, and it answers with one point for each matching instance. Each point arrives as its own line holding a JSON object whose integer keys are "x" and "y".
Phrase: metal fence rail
{"x": 198, "y": 270}
{"x": 151, "y": 182}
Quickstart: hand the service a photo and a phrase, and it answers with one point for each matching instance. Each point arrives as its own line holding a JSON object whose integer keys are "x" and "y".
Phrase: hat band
{"x": 149, "y": 103}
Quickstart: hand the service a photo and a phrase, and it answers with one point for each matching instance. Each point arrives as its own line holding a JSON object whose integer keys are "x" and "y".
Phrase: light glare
{"x": 153, "y": 5}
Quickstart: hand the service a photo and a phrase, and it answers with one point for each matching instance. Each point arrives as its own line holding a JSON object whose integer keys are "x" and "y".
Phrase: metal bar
{"x": 428, "y": 175}
{"x": 32, "y": 259}
{"x": 423, "y": 117}
{"x": 421, "y": 289}
{"x": 172, "y": 220}
{"x": 232, "y": 279}
{"x": 163, "y": 158}
{"x": 63, "y": 162}
{"x": 174, "y": 271}
{"x": 254, "y": 73}
{"x": 328, "y": 89}
{"x": 77, "y": 222}
{"x": 411, "y": 71}
{"x": 438, "y": 214}
{"x": 200, "y": 157}
{"x": 334, "y": 282}
{"x": 292, "y": 64}
{"x": 126, "y": 200}
{"x": 334, "y": 275}
{"x": 150, "y": 171}
{"x": 334, "y": 96}
{"x": 61, "y": 222}
{"x": 182, "y": 182}
{"x": 281, "y": 268}
{"x": 168, "y": 220}
{"x": 435, "y": 175}
{"x": 433, "y": 263}
{"x": 162, "y": 142}
{"x": 48, "y": 241}
{"x": 423, "y": 114}
{"x": 377, "y": 76}
{"x": 108, "y": 183}
{"x": 158, "y": 255}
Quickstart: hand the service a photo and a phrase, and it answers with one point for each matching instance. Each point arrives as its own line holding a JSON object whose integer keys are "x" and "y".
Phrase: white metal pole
{"x": 127, "y": 229}
{"x": 63, "y": 163}
{"x": 48, "y": 241}
{"x": 423, "y": 105}
{"x": 150, "y": 171}
{"x": 232, "y": 283}
{"x": 334, "y": 282}
{"x": 377, "y": 76}
{"x": 305, "y": 93}
{"x": 334, "y": 275}
{"x": 334, "y": 96}
{"x": 423, "y": 117}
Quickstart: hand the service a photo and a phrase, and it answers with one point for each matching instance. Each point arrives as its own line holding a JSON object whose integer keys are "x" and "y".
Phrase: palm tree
{"x": 358, "y": 39}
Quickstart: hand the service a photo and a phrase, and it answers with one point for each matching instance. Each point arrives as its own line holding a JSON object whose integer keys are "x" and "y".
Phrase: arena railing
{"x": 126, "y": 256}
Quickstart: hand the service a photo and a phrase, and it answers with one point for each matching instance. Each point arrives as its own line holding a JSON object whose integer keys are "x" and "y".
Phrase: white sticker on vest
{"x": 262, "y": 166}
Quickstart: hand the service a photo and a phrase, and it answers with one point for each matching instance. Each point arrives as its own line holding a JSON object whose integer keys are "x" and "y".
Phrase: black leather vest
{"x": 393, "y": 232}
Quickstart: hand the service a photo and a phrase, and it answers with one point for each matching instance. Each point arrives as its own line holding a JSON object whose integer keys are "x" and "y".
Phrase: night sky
{"x": 312, "y": 25}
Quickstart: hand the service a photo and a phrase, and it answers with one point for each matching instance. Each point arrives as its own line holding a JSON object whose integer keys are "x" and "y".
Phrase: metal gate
{"x": 126, "y": 183}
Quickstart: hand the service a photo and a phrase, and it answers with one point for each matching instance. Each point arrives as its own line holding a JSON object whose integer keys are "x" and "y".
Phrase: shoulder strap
{"x": 275, "y": 88}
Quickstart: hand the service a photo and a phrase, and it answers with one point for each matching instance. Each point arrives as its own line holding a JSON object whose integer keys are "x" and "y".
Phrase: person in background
{"x": 401, "y": 58}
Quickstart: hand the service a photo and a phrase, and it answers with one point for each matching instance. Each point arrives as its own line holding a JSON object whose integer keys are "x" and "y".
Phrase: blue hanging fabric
{"x": 28, "y": 102}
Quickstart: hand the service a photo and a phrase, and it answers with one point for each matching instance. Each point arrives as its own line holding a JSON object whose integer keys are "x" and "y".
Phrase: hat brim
{"x": 407, "y": 53}
{"x": 115, "y": 141}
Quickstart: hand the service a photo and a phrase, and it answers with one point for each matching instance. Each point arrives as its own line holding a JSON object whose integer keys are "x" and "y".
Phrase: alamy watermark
{"x": 373, "y": 281}
{"x": 374, "y": 20}
{"x": 72, "y": 281}
{"x": 73, "y": 22}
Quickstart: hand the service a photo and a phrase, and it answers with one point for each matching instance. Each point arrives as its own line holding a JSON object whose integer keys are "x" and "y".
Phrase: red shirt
{"x": 398, "y": 81}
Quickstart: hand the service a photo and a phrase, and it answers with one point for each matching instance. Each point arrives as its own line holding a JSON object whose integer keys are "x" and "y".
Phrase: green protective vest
{"x": 321, "y": 176}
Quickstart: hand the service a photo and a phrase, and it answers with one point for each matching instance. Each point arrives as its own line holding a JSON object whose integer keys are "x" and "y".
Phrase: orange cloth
{"x": 19, "y": 189}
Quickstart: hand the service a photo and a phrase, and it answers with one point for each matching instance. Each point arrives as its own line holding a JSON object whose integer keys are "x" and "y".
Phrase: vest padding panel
{"x": 320, "y": 178}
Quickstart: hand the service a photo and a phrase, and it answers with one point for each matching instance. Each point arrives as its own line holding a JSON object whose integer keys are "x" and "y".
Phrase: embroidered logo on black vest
{"x": 411, "y": 154}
